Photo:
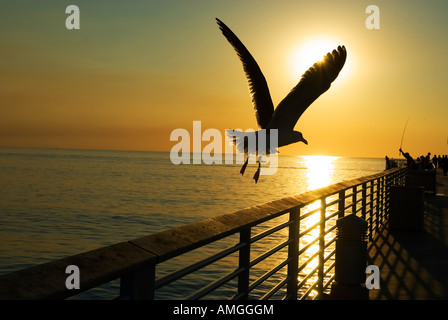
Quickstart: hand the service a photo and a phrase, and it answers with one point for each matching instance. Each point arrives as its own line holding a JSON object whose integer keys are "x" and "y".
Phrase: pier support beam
{"x": 351, "y": 259}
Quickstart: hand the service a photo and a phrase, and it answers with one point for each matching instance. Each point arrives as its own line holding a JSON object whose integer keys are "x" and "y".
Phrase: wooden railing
{"x": 283, "y": 249}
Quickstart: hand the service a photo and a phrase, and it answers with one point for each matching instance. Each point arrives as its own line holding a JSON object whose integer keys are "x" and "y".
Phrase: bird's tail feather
{"x": 245, "y": 142}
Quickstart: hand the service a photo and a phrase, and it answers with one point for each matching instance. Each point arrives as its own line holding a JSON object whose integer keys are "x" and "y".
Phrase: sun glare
{"x": 320, "y": 170}
{"x": 310, "y": 52}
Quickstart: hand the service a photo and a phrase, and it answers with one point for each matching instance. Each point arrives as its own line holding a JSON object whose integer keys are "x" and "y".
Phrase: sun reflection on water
{"x": 320, "y": 173}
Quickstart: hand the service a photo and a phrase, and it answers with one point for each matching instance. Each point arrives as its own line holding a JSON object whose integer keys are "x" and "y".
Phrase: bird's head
{"x": 297, "y": 137}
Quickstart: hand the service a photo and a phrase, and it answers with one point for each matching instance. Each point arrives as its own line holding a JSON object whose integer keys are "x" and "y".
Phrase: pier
{"x": 285, "y": 249}
{"x": 414, "y": 264}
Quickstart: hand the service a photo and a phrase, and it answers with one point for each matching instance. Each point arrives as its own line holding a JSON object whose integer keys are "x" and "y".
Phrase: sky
{"x": 137, "y": 70}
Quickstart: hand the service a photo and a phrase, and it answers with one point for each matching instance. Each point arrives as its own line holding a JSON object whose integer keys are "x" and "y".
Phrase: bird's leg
{"x": 257, "y": 174}
{"x": 243, "y": 168}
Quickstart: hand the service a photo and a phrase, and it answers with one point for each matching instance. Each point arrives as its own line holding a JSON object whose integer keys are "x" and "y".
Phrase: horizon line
{"x": 164, "y": 151}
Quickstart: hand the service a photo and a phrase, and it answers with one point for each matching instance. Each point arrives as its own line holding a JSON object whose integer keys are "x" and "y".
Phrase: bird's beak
{"x": 304, "y": 141}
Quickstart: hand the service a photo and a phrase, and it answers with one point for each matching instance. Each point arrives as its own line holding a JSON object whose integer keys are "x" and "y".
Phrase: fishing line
{"x": 402, "y": 136}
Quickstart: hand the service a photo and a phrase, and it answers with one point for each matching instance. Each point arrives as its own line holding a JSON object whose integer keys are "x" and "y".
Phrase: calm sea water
{"x": 56, "y": 202}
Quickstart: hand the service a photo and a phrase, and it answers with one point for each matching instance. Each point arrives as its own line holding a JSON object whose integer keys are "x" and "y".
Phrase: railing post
{"x": 387, "y": 195}
{"x": 377, "y": 205}
{"x": 363, "y": 200}
{"x": 351, "y": 259}
{"x": 320, "y": 273}
{"x": 140, "y": 284}
{"x": 381, "y": 198}
{"x": 372, "y": 215}
{"x": 341, "y": 204}
{"x": 293, "y": 254}
{"x": 364, "y": 207}
{"x": 354, "y": 199}
{"x": 244, "y": 264}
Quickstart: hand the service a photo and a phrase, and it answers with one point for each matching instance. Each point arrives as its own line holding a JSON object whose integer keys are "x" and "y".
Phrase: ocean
{"x": 58, "y": 202}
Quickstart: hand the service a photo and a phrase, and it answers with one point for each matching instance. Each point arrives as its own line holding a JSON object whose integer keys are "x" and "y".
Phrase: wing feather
{"x": 258, "y": 87}
{"x": 314, "y": 82}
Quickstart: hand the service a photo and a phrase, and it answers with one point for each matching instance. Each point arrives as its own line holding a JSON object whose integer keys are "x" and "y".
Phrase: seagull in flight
{"x": 314, "y": 82}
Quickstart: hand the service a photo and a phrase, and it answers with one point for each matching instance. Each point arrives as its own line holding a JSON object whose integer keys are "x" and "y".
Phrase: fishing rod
{"x": 402, "y": 136}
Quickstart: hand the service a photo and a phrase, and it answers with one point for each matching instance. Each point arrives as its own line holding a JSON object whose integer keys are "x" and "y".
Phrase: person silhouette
{"x": 410, "y": 161}
{"x": 445, "y": 165}
{"x": 434, "y": 161}
{"x": 388, "y": 166}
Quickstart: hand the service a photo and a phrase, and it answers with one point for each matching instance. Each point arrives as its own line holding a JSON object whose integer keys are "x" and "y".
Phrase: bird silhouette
{"x": 314, "y": 82}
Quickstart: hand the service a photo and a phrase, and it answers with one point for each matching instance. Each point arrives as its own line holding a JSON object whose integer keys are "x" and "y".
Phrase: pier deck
{"x": 414, "y": 265}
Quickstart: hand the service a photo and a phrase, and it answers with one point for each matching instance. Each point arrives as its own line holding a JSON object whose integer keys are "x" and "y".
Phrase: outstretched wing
{"x": 258, "y": 87}
{"x": 314, "y": 82}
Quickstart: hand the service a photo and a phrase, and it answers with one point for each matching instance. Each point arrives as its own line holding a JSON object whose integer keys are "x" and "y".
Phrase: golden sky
{"x": 136, "y": 70}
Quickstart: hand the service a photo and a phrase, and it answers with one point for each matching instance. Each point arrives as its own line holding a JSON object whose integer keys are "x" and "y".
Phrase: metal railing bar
{"x": 321, "y": 244}
{"x": 334, "y": 214}
{"x": 309, "y": 275}
{"x": 270, "y": 252}
{"x": 332, "y": 203}
{"x": 308, "y": 245}
{"x": 330, "y": 268}
{"x": 350, "y": 194}
{"x": 238, "y": 296}
{"x": 348, "y": 206}
{"x": 314, "y": 226}
{"x": 325, "y": 285}
{"x": 293, "y": 255}
{"x": 270, "y": 231}
{"x": 322, "y": 236}
{"x": 330, "y": 242}
{"x": 358, "y": 210}
{"x": 309, "y": 290}
{"x": 309, "y": 213}
{"x": 274, "y": 290}
{"x": 265, "y": 276}
{"x": 331, "y": 229}
{"x": 176, "y": 275}
{"x": 244, "y": 261}
{"x": 214, "y": 285}
{"x": 304, "y": 264}
{"x": 358, "y": 192}
{"x": 328, "y": 283}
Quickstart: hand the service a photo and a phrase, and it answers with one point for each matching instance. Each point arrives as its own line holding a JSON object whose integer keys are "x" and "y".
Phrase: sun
{"x": 310, "y": 52}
